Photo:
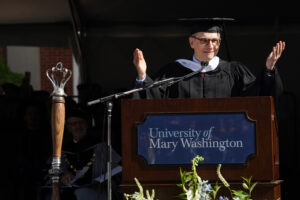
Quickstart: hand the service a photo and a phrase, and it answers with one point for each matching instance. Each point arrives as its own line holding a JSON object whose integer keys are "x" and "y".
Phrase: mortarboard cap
{"x": 77, "y": 112}
{"x": 210, "y": 25}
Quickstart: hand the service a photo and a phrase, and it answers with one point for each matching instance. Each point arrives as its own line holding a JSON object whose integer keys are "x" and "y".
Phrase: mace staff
{"x": 57, "y": 122}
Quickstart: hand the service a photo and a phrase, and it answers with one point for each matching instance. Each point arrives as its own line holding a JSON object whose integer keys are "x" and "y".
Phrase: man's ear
{"x": 191, "y": 41}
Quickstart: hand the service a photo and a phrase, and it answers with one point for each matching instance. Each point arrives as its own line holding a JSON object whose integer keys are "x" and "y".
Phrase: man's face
{"x": 78, "y": 127}
{"x": 205, "y": 45}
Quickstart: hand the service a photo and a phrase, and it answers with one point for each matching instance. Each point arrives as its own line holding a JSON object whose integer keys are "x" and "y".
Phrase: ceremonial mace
{"x": 58, "y": 77}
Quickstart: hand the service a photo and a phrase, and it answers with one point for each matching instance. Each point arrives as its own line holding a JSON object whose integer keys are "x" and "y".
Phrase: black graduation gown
{"x": 229, "y": 79}
{"x": 78, "y": 155}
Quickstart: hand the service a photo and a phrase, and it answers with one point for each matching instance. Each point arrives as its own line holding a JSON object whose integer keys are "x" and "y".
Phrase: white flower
{"x": 189, "y": 195}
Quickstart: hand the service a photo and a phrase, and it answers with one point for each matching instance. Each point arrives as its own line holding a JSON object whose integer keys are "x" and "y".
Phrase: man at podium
{"x": 216, "y": 77}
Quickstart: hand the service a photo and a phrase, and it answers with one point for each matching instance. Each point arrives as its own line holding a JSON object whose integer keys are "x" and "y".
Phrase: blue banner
{"x": 225, "y": 138}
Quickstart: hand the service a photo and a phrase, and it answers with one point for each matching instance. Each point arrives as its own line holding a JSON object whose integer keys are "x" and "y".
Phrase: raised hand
{"x": 139, "y": 63}
{"x": 275, "y": 55}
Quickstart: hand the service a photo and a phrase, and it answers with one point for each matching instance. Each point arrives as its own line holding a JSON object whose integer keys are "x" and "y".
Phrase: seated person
{"x": 84, "y": 158}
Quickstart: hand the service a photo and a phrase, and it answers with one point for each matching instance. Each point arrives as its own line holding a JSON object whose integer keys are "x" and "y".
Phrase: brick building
{"x": 37, "y": 60}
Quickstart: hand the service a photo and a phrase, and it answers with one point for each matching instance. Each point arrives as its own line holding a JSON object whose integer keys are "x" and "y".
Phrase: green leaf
{"x": 245, "y": 186}
{"x": 189, "y": 178}
{"x": 215, "y": 190}
{"x": 252, "y": 187}
{"x": 241, "y": 194}
{"x": 181, "y": 196}
{"x": 247, "y": 180}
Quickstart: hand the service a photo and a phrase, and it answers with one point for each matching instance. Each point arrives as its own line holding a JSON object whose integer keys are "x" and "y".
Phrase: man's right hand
{"x": 139, "y": 63}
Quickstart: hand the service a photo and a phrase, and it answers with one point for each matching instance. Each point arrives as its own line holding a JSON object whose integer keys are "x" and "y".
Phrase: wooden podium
{"x": 263, "y": 166}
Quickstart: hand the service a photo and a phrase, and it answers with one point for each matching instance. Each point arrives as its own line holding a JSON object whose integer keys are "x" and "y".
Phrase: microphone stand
{"x": 178, "y": 79}
{"x": 109, "y": 105}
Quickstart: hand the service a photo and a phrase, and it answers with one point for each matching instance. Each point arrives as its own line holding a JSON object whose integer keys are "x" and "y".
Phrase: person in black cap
{"x": 216, "y": 77}
{"x": 84, "y": 160}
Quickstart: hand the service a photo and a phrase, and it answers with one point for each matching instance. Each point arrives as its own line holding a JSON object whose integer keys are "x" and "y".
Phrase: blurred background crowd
{"x": 26, "y": 134}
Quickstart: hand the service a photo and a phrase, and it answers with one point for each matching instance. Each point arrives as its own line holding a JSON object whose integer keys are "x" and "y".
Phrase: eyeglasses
{"x": 206, "y": 41}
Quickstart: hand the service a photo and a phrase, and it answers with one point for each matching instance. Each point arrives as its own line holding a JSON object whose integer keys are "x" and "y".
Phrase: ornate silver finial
{"x": 59, "y": 85}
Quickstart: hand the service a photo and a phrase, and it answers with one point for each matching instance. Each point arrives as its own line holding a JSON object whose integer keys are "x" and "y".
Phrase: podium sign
{"x": 227, "y": 138}
{"x": 244, "y": 127}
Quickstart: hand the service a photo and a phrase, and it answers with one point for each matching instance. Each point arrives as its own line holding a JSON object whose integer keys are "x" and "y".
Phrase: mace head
{"x": 58, "y": 76}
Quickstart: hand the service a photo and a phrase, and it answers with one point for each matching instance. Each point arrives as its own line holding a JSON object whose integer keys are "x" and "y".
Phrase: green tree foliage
{"x": 7, "y": 76}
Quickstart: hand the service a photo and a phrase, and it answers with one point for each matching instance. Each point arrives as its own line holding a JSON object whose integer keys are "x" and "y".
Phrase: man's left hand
{"x": 275, "y": 55}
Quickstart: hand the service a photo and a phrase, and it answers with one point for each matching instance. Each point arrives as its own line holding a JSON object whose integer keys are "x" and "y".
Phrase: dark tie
{"x": 204, "y": 64}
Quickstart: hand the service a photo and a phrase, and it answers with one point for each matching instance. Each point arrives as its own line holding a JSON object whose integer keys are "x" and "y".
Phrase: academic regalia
{"x": 229, "y": 79}
{"x": 77, "y": 155}
{"x": 226, "y": 79}
{"x": 90, "y": 154}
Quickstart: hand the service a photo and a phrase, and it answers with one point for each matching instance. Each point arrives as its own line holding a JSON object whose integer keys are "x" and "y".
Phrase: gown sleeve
{"x": 271, "y": 84}
{"x": 153, "y": 93}
{"x": 244, "y": 80}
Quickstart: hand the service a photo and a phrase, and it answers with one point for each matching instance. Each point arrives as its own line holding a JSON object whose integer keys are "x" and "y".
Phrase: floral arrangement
{"x": 194, "y": 188}
{"x": 139, "y": 195}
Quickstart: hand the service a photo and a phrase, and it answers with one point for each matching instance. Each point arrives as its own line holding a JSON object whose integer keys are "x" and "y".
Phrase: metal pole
{"x": 109, "y": 106}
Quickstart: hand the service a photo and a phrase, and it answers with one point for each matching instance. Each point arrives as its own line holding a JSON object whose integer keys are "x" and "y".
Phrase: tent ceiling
{"x": 92, "y": 11}
{"x": 33, "y": 11}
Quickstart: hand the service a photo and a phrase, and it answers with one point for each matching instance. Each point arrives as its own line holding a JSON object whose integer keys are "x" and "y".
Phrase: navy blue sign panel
{"x": 226, "y": 138}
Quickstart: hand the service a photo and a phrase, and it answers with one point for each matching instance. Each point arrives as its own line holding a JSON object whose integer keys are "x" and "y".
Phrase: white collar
{"x": 195, "y": 64}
